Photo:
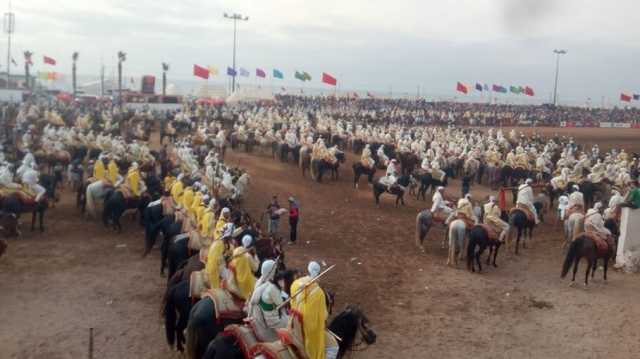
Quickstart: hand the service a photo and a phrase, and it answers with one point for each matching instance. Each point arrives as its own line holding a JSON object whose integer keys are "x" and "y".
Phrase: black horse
{"x": 426, "y": 181}
{"x": 398, "y": 189}
{"x": 479, "y": 237}
{"x": 518, "y": 219}
{"x": 359, "y": 170}
{"x": 115, "y": 204}
{"x": 346, "y": 325}
{"x": 584, "y": 246}
{"x": 319, "y": 167}
{"x": 15, "y": 204}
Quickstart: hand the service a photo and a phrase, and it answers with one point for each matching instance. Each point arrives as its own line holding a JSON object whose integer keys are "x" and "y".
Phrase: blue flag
{"x": 277, "y": 74}
{"x": 479, "y": 87}
{"x": 636, "y": 97}
{"x": 231, "y": 72}
{"x": 244, "y": 72}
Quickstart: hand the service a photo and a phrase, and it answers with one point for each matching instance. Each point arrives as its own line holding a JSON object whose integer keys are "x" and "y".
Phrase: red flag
{"x": 460, "y": 87}
{"x": 328, "y": 79}
{"x": 529, "y": 91}
{"x": 624, "y": 97}
{"x": 201, "y": 72}
{"x": 48, "y": 60}
{"x": 260, "y": 73}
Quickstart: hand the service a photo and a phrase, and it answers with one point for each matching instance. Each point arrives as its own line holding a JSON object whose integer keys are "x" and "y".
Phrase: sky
{"x": 374, "y": 45}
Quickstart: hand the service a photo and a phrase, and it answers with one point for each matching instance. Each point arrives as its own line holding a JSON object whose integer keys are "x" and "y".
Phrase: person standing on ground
{"x": 273, "y": 211}
{"x": 294, "y": 216}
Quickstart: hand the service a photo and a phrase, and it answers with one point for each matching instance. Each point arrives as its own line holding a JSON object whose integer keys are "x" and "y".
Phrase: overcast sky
{"x": 367, "y": 45}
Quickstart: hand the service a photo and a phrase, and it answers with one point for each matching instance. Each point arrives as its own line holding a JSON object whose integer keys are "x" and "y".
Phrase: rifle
{"x": 305, "y": 286}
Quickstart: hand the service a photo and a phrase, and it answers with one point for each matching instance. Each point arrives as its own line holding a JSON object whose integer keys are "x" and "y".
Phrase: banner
{"x": 606, "y": 124}
{"x": 621, "y": 125}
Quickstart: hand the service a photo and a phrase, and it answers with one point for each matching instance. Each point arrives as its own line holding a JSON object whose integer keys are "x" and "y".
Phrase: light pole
{"x": 9, "y": 27}
{"x": 122, "y": 57}
{"x": 235, "y": 18}
{"x": 165, "y": 68}
{"x": 555, "y": 87}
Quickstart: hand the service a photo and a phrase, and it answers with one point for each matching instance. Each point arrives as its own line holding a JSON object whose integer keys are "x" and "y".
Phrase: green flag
{"x": 299, "y": 76}
{"x": 306, "y": 76}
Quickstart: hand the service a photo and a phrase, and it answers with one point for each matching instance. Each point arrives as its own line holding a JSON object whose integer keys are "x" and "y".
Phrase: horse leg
{"x": 586, "y": 274}
{"x": 478, "y": 255}
{"x": 518, "y": 240}
{"x": 402, "y": 199}
{"x": 33, "y": 220}
{"x": 489, "y": 256}
{"x": 495, "y": 255}
{"x": 41, "y": 213}
{"x": 575, "y": 268}
{"x": 606, "y": 265}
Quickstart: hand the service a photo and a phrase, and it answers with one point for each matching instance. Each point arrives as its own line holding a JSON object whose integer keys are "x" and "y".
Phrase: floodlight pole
{"x": 235, "y": 18}
{"x": 555, "y": 87}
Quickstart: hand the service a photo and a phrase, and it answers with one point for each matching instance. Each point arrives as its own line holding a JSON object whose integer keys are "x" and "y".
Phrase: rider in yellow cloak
{"x": 310, "y": 309}
{"x": 113, "y": 171}
{"x": 133, "y": 179}
{"x": 243, "y": 265}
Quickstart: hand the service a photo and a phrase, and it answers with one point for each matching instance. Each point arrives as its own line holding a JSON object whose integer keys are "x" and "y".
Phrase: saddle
{"x": 603, "y": 243}
{"x": 438, "y": 174}
{"x": 439, "y": 216}
{"x": 468, "y": 222}
{"x": 574, "y": 209}
{"x": 25, "y": 196}
{"x": 492, "y": 232}
{"x": 226, "y": 305}
{"x": 198, "y": 284}
{"x": 524, "y": 209}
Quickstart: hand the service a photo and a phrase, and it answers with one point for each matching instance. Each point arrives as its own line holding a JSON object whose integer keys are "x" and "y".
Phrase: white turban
{"x": 314, "y": 269}
{"x": 529, "y": 181}
{"x": 247, "y": 241}
{"x": 267, "y": 271}
{"x": 492, "y": 198}
{"x": 226, "y": 210}
{"x": 576, "y": 187}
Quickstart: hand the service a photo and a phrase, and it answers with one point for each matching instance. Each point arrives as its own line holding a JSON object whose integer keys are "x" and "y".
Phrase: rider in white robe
{"x": 525, "y": 198}
{"x": 593, "y": 221}
{"x": 439, "y": 203}
{"x": 30, "y": 180}
{"x": 392, "y": 174}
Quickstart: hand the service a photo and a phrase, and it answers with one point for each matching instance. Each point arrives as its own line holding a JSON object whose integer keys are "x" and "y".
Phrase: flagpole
{"x": 9, "y": 24}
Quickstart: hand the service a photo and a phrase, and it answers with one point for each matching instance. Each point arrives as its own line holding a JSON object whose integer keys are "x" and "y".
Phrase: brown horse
{"x": 17, "y": 203}
{"x": 585, "y": 246}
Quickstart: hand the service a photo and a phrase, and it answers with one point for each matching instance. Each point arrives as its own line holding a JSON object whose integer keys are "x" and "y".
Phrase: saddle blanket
{"x": 492, "y": 232}
{"x": 439, "y": 216}
{"x": 468, "y": 222}
{"x": 25, "y": 195}
{"x": 198, "y": 284}
{"x": 226, "y": 306}
{"x": 525, "y": 210}
{"x": 602, "y": 243}
{"x": 573, "y": 209}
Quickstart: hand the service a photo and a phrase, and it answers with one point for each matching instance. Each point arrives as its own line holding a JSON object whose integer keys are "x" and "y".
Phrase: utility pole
{"x": 235, "y": 18}
{"x": 555, "y": 87}
{"x": 9, "y": 28}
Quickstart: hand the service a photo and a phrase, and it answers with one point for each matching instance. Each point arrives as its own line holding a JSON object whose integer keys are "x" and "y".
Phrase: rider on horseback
{"x": 392, "y": 174}
{"x": 525, "y": 198}
{"x": 242, "y": 265}
{"x": 593, "y": 221}
{"x": 30, "y": 181}
{"x": 366, "y": 159}
{"x": 576, "y": 201}
{"x": 439, "y": 203}
{"x": 262, "y": 307}
{"x": 492, "y": 216}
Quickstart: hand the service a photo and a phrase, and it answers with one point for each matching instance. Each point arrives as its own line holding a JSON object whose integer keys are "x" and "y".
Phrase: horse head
{"x": 350, "y": 323}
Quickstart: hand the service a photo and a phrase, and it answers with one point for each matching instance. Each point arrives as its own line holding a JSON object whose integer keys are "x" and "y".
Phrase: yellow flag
{"x": 213, "y": 71}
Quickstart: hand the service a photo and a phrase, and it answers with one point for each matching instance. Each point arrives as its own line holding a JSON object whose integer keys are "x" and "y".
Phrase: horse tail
{"x": 192, "y": 341}
{"x": 89, "y": 202}
{"x": 169, "y": 312}
{"x": 572, "y": 253}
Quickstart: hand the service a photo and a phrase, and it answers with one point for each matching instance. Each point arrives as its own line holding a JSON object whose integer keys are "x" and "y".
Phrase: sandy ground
{"x": 55, "y": 286}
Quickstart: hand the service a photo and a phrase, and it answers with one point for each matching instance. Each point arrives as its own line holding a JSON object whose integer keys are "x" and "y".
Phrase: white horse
{"x": 572, "y": 226}
{"x": 242, "y": 187}
{"x": 95, "y": 192}
{"x": 457, "y": 241}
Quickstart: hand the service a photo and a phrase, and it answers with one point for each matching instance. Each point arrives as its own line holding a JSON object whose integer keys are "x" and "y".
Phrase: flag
{"x": 328, "y": 79}
{"x": 486, "y": 87}
{"x": 283, "y": 89}
{"x": 299, "y": 76}
{"x": 13, "y": 61}
{"x": 244, "y": 72}
{"x": 199, "y": 71}
{"x": 277, "y": 74}
{"x": 213, "y": 71}
{"x": 624, "y": 97}
{"x": 499, "y": 88}
{"x": 460, "y": 87}
{"x": 52, "y": 76}
{"x": 46, "y": 76}
{"x": 48, "y": 60}
{"x": 529, "y": 91}
{"x": 306, "y": 76}
{"x": 479, "y": 87}
{"x": 515, "y": 90}
{"x": 260, "y": 73}
{"x": 636, "y": 97}
{"x": 27, "y": 58}
{"x": 231, "y": 72}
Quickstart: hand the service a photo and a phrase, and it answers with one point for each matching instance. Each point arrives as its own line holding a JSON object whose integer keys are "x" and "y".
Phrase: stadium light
{"x": 555, "y": 87}
{"x": 235, "y": 18}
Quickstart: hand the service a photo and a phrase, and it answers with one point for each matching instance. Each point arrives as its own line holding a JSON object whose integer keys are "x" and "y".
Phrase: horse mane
{"x": 345, "y": 325}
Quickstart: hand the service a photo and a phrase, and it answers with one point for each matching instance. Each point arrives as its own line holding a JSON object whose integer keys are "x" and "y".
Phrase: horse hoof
{"x": 572, "y": 284}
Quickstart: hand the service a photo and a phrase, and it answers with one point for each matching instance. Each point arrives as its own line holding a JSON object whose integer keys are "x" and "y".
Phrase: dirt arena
{"x": 76, "y": 276}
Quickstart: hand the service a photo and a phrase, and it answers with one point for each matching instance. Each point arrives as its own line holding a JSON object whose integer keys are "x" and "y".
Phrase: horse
{"x": 408, "y": 162}
{"x": 427, "y": 183}
{"x": 424, "y": 221}
{"x": 17, "y": 204}
{"x": 346, "y": 325}
{"x": 457, "y": 233}
{"x": 479, "y": 237}
{"x": 89, "y": 193}
{"x": 398, "y": 189}
{"x": 584, "y": 246}
{"x": 359, "y": 169}
{"x": 115, "y": 204}
{"x": 519, "y": 220}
